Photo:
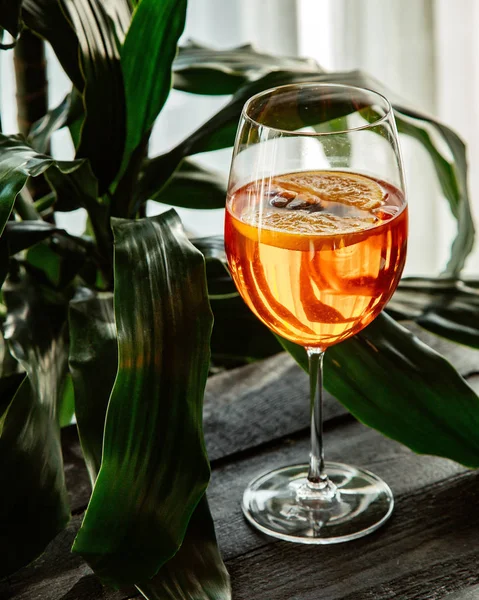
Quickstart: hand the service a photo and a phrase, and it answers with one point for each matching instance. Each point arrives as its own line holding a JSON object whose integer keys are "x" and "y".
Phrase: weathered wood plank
{"x": 348, "y": 442}
{"x": 258, "y": 403}
{"x": 426, "y": 551}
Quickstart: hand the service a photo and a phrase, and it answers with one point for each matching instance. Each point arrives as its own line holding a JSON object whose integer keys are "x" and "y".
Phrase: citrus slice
{"x": 310, "y": 224}
{"x": 334, "y": 186}
{"x": 298, "y": 230}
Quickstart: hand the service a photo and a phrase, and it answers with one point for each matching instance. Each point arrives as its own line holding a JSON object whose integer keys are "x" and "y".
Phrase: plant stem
{"x": 25, "y": 207}
{"x": 32, "y": 93}
{"x": 123, "y": 201}
{"x": 31, "y": 79}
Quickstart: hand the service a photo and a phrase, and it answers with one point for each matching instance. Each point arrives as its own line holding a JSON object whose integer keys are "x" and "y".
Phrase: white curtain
{"x": 456, "y": 27}
{"x": 428, "y": 52}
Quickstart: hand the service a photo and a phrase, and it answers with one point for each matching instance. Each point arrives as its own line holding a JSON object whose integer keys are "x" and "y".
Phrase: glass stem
{"x": 316, "y": 474}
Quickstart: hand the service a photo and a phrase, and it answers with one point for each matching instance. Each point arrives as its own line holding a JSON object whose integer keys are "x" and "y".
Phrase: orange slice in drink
{"x": 307, "y": 215}
{"x": 334, "y": 186}
{"x": 296, "y": 231}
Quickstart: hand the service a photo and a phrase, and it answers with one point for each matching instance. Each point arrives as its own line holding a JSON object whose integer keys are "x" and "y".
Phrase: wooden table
{"x": 256, "y": 418}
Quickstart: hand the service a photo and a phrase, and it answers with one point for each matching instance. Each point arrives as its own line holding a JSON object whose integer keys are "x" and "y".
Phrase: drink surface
{"x": 316, "y": 255}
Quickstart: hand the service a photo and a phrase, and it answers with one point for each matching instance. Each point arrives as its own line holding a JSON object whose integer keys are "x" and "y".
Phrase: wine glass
{"x": 315, "y": 235}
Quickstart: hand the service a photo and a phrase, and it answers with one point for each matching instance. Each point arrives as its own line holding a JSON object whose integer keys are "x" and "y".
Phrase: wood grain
{"x": 350, "y": 442}
{"x": 426, "y": 551}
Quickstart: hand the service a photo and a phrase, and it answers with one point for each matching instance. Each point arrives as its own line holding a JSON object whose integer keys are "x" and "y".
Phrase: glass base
{"x": 352, "y": 504}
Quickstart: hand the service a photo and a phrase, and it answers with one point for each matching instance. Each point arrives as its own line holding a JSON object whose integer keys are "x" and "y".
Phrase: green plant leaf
{"x": 220, "y": 131}
{"x": 191, "y": 186}
{"x": 66, "y": 406}
{"x": 93, "y": 342}
{"x": 10, "y": 16}
{"x": 21, "y": 235}
{"x": 104, "y": 128}
{"x": 32, "y": 472}
{"x": 154, "y": 467}
{"x": 63, "y": 115}
{"x": 197, "y": 570}
{"x": 154, "y": 32}
{"x": 24, "y": 234}
{"x": 390, "y": 380}
{"x": 46, "y": 18}
{"x": 75, "y": 186}
{"x": 30, "y": 449}
{"x": 18, "y": 161}
{"x": 220, "y": 284}
{"x": 464, "y": 240}
{"x": 202, "y": 70}
{"x": 197, "y": 567}
{"x": 449, "y": 308}
{"x": 212, "y": 248}
{"x": 238, "y": 335}
{"x": 55, "y": 262}
{"x": 4, "y": 260}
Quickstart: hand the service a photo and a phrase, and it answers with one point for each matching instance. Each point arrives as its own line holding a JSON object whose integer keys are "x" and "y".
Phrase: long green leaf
{"x": 46, "y": 18}
{"x": 74, "y": 186}
{"x": 391, "y": 381}
{"x": 202, "y": 70}
{"x": 196, "y": 571}
{"x": 191, "y": 186}
{"x": 449, "y": 308}
{"x": 212, "y": 248}
{"x": 104, "y": 128}
{"x": 220, "y": 131}
{"x": 30, "y": 450}
{"x": 73, "y": 180}
{"x": 420, "y": 131}
{"x": 24, "y": 234}
{"x": 464, "y": 240}
{"x": 238, "y": 335}
{"x": 93, "y": 342}
{"x": 154, "y": 32}
{"x": 66, "y": 113}
{"x": 154, "y": 467}
{"x": 18, "y": 161}
{"x": 220, "y": 284}
{"x": 32, "y": 473}
{"x": 66, "y": 405}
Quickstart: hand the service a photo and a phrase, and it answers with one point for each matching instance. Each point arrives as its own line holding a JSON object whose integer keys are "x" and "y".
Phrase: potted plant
{"x": 115, "y": 326}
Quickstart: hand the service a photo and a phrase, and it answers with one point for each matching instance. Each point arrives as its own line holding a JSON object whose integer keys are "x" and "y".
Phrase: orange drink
{"x": 316, "y": 255}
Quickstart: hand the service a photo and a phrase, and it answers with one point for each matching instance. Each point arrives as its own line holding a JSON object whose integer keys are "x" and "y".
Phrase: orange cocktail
{"x": 316, "y": 255}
